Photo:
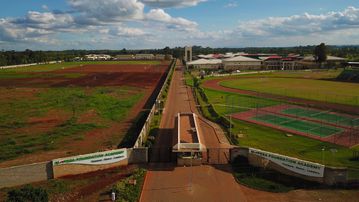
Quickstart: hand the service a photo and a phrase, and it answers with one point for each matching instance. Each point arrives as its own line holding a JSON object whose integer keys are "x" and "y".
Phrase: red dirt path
{"x": 214, "y": 84}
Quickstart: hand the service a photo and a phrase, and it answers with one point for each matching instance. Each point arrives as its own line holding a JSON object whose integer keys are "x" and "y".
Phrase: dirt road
{"x": 164, "y": 181}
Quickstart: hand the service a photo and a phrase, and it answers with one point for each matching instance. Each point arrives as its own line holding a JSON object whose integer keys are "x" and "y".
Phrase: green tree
{"x": 320, "y": 53}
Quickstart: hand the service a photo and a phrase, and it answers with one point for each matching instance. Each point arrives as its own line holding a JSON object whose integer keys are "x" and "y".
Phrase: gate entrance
{"x": 161, "y": 155}
{"x": 216, "y": 156}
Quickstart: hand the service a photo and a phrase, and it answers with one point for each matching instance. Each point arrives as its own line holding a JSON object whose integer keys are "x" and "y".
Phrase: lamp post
{"x": 323, "y": 155}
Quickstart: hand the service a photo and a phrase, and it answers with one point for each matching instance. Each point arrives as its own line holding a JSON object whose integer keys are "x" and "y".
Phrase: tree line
{"x": 29, "y": 56}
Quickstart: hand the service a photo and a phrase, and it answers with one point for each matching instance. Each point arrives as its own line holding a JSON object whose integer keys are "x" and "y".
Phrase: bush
{"x": 125, "y": 191}
{"x": 28, "y": 193}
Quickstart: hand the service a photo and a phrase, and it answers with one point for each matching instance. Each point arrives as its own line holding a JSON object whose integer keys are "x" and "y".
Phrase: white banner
{"x": 98, "y": 158}
{"x": 302, "y": 167}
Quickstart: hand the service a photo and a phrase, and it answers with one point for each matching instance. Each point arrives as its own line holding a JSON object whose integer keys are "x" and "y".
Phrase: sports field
{"x": 226, "y": 101}
{"x": 51, "y": 111}
{"x": 325, "y": 116}
{"x": 311, "y": 89}
{"x": 298, "y": 125}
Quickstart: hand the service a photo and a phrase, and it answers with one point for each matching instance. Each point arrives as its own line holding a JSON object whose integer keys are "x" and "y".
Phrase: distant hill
{"x": 350, "y": 75}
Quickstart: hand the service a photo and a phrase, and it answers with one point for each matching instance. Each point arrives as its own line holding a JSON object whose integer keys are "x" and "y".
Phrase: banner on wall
{"x": 302, "y": 167}
{"x": 98, "y": 158}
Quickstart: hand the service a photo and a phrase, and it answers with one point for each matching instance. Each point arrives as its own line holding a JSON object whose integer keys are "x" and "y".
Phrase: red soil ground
{"x": 145, "y": 77}
{"x": 93, "y": 75}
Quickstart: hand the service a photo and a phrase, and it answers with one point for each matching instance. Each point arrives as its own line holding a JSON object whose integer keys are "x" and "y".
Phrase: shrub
{"x": 27, "y": 193}
{"x": 125, "y": 191}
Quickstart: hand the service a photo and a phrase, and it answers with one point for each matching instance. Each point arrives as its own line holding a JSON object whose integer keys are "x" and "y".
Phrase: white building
{"x": 242, "y": 63}
{"x": 205, "y": 64}
{"x": 97, "y": 57}
{"x": 160, "y": 57}
{"x": 125, "y": 57}
{"x": 145, "y": 57}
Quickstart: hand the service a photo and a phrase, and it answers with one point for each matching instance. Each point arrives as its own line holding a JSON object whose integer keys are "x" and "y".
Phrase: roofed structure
{"x": 188, "y": 134}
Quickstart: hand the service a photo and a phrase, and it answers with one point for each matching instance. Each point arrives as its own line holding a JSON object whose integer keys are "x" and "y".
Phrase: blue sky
{"x": 137, "y": 24}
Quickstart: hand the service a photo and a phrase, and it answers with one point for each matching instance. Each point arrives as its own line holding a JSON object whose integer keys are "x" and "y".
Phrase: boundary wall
{"x": 24, "y": 174}
{"x": 147, "y": 126}
{"x": 292, "y": 166}
{"x": 28, "y": 65}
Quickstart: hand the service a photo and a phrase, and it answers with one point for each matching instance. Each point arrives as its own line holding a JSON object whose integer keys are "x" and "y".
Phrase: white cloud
{"x": 179, "y": 23}
{"x": 46, "y": 20}
{"x": 108, "y": 10}
{"x": 88, "y": 16}
{"x": 232, "y": 4}
{"x": 121, "y": 23}
{"x": 14, "y": 32}
{"x": 131, "y": 32}
{"x": 171, "y": 3}
{"x": 45, "y": 7}
{"x": 301, "y": 24}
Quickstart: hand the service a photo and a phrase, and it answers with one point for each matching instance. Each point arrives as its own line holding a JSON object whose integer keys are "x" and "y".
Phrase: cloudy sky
{"x": 137, "y": 24}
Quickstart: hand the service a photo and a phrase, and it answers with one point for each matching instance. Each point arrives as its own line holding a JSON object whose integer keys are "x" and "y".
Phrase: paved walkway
{"x": 199, "y": 183}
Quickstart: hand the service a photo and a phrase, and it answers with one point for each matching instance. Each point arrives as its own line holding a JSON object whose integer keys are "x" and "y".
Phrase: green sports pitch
{"x": 301, "y": 126}
{"x": 324, "y": 116}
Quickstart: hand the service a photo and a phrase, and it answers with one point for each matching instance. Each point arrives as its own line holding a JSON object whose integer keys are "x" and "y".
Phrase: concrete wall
{"x": 75, "y": 169}
{"x": 137, "y": 155}
{"x": 258, "y": 161}
{"x": 332, "y": 175}
{"x": 19, "y": 175}
{"x": 146, "y": 127}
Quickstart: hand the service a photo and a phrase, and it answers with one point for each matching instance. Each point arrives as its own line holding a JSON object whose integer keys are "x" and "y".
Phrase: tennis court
{"x": 303, "y": 126}
{"x": 325, "y": 116}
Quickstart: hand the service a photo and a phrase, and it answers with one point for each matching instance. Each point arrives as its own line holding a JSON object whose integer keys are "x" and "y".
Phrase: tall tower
{"x": 188, "y": 53}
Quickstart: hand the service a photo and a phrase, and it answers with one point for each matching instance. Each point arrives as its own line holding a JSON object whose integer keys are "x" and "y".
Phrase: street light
{"x": 323, "y": 155}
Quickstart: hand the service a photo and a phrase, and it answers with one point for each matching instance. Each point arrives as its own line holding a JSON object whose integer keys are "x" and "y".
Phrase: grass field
{"x": 50, "y": 117}
{"x": 53, "y": 67}
{"x": 309, "y": 74}
{"x": 276, "y": 141}
{"x": 320, "y": 90}
{"x": 261, "y": 137}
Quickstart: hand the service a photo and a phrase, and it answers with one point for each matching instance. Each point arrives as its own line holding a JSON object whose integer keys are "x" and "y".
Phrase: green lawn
{"x": 18, "y": 136}
{"x": 308, "y": 74}
{"x": 231, "y": 103}
{"x": 320, "y": 90}
{"x": 53, "y": 67}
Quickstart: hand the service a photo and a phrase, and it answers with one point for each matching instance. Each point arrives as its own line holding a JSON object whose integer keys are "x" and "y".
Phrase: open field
{"x": 57, "y": 66}
{"x": 71, "y": 111}
{"x": 252, "y": 135}
{"x": 319, "y": 90}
